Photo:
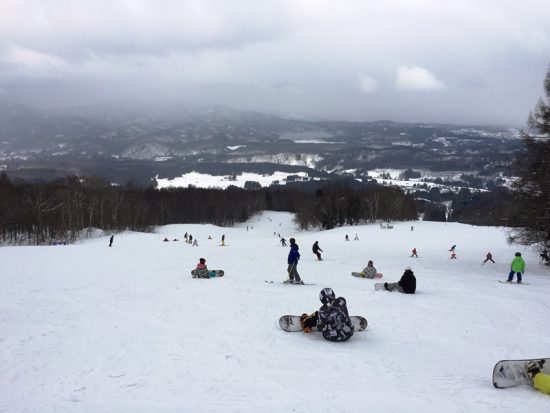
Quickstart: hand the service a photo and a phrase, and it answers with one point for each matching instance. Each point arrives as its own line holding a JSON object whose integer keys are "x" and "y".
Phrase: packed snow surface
{"x": 88, "y": 328}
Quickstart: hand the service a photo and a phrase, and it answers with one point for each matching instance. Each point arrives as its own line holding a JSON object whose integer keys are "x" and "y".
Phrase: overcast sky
{"x": 467, "y": 61}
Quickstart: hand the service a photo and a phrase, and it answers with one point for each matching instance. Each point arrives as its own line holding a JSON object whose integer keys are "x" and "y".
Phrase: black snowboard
{"x": 212, "y": 273}
{"x": 511, "y": 373}
{"x": 291, "y": 323}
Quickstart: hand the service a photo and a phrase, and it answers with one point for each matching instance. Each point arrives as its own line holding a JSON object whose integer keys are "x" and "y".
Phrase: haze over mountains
{"x": 123, "y": 141}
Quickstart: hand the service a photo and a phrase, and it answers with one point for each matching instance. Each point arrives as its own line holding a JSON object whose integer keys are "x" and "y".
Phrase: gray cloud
{"x": 482, "y": 61}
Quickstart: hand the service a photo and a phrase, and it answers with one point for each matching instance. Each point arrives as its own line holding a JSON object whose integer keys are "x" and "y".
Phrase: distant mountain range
{"x": 127, "y": 141}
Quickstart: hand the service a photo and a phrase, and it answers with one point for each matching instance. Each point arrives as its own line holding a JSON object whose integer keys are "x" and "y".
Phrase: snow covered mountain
{"x": 88, "y": 328}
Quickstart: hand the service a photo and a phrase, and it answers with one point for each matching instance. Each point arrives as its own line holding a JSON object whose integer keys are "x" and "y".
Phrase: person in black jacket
{"x": 406, "y": 285}
{"x": 316, "y": 250}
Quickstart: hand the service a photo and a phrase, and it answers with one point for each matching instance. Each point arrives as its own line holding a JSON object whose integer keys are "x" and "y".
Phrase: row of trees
{"x": 338, "y": 205}
{"x": 40, "y": 212}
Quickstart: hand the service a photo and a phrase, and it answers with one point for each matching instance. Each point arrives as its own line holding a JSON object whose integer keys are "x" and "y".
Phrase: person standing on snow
{"x": 111, "y": 240}
{"x": 414, "y": 254}
{"x": 517, "y": 267}
{"x": 316, "y": 250}
{"x": 332, "y": 319}
{"x": 293, "y": 257}
{"x": 488, "y": 257}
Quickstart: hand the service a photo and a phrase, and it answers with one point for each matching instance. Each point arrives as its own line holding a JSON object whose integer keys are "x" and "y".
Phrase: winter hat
{"x": 292, "y": 240}
{"x": 518, "y": 254}
{"x": 408, "y": 268}
{"x": 326, "y": 295}
{"x": 202, "y": 260}
{"x": 370, "y": 262}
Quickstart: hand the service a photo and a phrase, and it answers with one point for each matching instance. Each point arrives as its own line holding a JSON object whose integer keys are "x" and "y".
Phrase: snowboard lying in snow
{"x": 282, "y": 282}
{"x": 379, "y": 287}
{"x": 291, "y": 323}
{"x": 211, "y": 274}
{"x": 362, "y": 275}
{"x": 510, "y": 373}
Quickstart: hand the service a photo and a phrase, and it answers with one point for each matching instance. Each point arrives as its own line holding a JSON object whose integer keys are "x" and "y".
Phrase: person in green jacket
{"x": 518, "y": 267}
{"x": 539, "y": 380}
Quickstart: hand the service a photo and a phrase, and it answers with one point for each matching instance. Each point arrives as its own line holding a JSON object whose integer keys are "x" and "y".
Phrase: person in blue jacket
{"x": 293, "y": 257}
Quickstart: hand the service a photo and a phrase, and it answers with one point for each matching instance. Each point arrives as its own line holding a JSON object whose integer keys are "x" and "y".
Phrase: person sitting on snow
{"x": 332, "y": 319}
{"x": 369, "y": 271}
{"x": 201, "y": 271}
{"x": 406, "y": 285}
{"x": 539, "y": 380}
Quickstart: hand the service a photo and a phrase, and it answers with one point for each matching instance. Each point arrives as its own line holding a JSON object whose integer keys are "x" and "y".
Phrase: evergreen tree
{"x": 532, "y": 190}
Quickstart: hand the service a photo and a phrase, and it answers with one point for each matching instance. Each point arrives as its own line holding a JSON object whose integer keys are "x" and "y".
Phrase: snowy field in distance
{"x": 87, "y": 328}
{"x": 200, "y": 180}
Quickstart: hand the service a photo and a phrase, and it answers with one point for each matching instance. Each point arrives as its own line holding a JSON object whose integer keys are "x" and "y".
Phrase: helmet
{"x": 326, "y": 295}
{"x": 518, "y": 254}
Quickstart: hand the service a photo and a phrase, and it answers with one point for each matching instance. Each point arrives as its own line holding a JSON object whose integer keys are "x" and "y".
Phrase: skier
{"x": 539, "y": 380}
{"x": 293, "y": 258}
{"x": 332, "y": 319}
{"x": 195, "y": 243}
{"x": 369, "y": 271}
{"x": 201, "y": 271}
{"x": 356, "y": 238}
{"x": 347, "y": 238}
{"x": 517, "y": 267}
{"x": 316, "y": 250}
{"x": 488, "y": 257}
{"x": 283, "y": 242}
{"x": 453, "y": 255}
{"x": 414, "y": 254}
{"x": 452, "y": 248}
{"x": 111, "y": 240}
{"x": 406, "y": 285}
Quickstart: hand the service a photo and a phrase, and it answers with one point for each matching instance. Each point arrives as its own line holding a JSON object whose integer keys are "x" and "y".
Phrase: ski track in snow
{"x": 88, "y": 328}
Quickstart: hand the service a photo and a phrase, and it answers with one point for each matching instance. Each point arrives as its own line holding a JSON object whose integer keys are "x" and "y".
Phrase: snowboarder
{"x": 186, "y": 237}
{"x": 347, "y": 238}
{"x": 175, "y": 239}
{"x": 517, "y": 267}
{"x": 453, "y": 255}
{"x": 539, "y": 380}
{"x": 332, "y": 319}
{"x": 412, "y": 228}
{"x": 111, "y": 240}
{"x": 190, "y": 239}
{"x": 356, "y": 238}
{"x": 414, "y": 254}
{"x": 166, "y": 239}
{"x": 283, "y": 242}
{"x": 201, "y": 271}
{"x": 223, "y": 240}
{"x": 195, "y": 243}
{"x": 488, "y": 257}
{"x": 293, "y": 258}
{"x": 406, "y": 285}
{"x": 452, "y": 248}
{"x": 369, "y": 271}
{"x": 316, "y": 250}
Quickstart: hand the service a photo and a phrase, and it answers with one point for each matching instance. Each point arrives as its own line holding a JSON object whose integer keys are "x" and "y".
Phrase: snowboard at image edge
{"x": 291, "y": 323}
{"x": 511, "y": 373}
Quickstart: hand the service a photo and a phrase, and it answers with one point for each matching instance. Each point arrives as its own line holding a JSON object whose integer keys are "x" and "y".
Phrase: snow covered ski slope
{"x": 87, "y": 328}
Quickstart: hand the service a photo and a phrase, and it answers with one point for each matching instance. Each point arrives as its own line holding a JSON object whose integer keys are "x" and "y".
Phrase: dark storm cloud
{"x": 425, "y": 60}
